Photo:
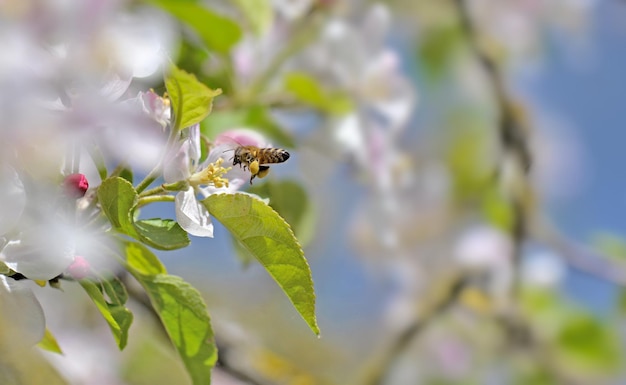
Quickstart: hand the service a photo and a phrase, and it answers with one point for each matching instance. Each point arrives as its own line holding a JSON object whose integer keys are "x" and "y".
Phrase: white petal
{"x": 192, "y": 216}
{"x": 12, "y": 198}
{"x": 115, "y": 84}
{"x": 194, "y": 143}
{"x": 21, "y": 316}
{"x": 176, "y": 164}
{"x": 483, "y": 248}
{"x": 43, "y": 252}
{"x": 242, "y": 137}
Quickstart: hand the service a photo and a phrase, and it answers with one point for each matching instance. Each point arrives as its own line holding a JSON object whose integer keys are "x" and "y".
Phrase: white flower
{"x": 214, "y": 175}
{"x": 12, "y": 198}
{"x": 40, "y": 235}
{"x": 484, "y": 248}
{"x": 155, "y": 106}
{"x": 543, "y": 269}
{"x": 21, "y": 316}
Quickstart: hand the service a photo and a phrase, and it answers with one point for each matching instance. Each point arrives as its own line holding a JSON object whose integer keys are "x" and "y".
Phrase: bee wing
{"x": 242, "y": 137}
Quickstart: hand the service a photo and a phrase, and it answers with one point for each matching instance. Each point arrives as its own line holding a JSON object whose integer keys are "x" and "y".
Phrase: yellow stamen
{"x": 211, "y": 175}
{"x": 166, "y": 99}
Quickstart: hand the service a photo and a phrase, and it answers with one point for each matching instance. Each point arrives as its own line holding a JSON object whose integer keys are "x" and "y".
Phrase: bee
{"x": 257, "y": 159}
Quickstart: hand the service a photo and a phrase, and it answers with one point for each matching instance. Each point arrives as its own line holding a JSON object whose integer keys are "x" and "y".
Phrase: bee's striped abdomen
{"x": 272, "y": 155}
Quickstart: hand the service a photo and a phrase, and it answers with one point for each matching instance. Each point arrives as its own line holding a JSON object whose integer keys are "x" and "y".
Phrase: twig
{"x": 579, "y": 256}
{"x": 446, "y": 296}
{"x": 513, "y": 136}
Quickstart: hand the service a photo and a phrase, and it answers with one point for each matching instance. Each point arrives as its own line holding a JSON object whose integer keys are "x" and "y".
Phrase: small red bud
{"x": 75, "y": 185}
{"x": 79, "y": 269}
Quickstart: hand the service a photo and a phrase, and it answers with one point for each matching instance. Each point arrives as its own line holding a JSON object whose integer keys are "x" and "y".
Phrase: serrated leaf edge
{"x": 316, "y": 330}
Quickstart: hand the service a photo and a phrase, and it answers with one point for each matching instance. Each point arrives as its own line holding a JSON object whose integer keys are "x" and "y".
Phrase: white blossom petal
{"x": 21, "y": 316}
{"x": 12, "y": 198}
{"x": 192, "y": 216}
{"x": 242, "y": 137}
{"x": 42, "y": 252}
{"x": 193, "y": 139}
{"x": 115, "y": 84}
{"x": 483, "y": 248}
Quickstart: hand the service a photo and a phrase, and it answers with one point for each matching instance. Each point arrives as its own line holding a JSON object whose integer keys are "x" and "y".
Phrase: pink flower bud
{"x": 79, "y": 269}
{"x": 75, "y": 185}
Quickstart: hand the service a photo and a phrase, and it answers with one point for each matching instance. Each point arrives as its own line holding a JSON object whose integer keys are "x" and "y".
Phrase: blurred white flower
{"x": 519, "y": 26}
{"x": 84, "y": 352}
{"x": 155, "y": 106}
{"x": 543, "y": 269}
{"x": 46, "y": 236}
{"x": 12, "y": 198}
{"x": 488, "y": 250}
{"x": 21, "y": 316}
{"x": 292, "y": 9}
{"x": 67, "y": 67}
{"x": 353, "y": 55}
{"x": 483, "y": 248}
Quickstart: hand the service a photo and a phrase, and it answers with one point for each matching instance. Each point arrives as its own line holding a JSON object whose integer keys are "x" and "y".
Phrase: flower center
{"x": 211, "y": 175}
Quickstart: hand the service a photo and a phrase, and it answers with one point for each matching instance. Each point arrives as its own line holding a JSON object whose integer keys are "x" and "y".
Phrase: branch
{"x": 445, "y": 296}
{"x": 578, "y": 255}
{"x": 513, "y": 136}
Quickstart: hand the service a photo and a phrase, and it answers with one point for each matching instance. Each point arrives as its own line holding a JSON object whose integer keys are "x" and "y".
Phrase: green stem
{"x": 117, "y": 170}
{"x": 155, "y": 198}
{"x": 176, "y": 186}
{"x": 153, "y": 191}
{"x": 156, "y": 171}
{"x": 151, "y": 177}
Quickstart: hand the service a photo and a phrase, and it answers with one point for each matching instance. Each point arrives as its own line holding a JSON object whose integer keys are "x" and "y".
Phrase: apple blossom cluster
{"x": 86, "y": 144}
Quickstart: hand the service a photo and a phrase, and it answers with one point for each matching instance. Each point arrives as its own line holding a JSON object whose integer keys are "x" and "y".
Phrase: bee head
{"x": 235, "y": 161}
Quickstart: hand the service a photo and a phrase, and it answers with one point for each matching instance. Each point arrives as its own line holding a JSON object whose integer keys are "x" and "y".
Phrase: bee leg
{"x": 263, "y": 171}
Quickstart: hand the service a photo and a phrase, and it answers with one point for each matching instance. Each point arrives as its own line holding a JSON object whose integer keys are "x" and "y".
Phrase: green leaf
{"x": 191, "y": 100}
{"x": 186, "y": 320}
{"x": 49, "y": 343}
{"x": 150, "y": 360}
{"x": 114, "y": 289}
{"x": 218, "y": 32}
{"x": 127, "y": 174}
{"x": 4, "y": 269}
{"x": 269, "y": 238}
{"x": 259, "y": 14}
{"x": 118, "y": 198}
{"x": 438, "y": 47}
{"x": 162, "y": 234}
{"x": 469, "y": 155}
{"x": 610, "y": 245}
{"x": 589, "y": 346}
{"x": 307, "y": 90}
{"x": 621, "y": 302}
{"x": 141, "y": 260}
{"x": 257, "y": 117}
{"x": 117, "y": 316}
{"x": 290, "y": 200}
{"x": 497, "y": 209}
